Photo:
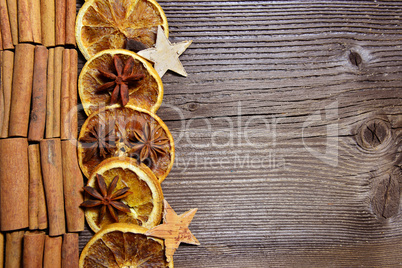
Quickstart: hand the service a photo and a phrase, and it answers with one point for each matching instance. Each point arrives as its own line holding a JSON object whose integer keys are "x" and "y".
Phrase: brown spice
{"x": 58, "y": 69}
{"x": 73, "y": 94}
{"x": 1, "y": 92}
{"x": 52, "y": 252}
{"x": 7, "y": 67}
{"x": 65, "y": 96}
{"x": 14, "y": 182}
{"x": 2, "y": 245}
{"x": 34, "y": 7}
{"x": 99, "y": 141}
{"x": 119, "y": 84}
{"x": 5, "y": 27}
{"x": 70, "y": 251}
{"x": 34, "y": 178}
{"x": 37, "y": 202}
{"x": 38, "y": 113}
{"x": 14, "y": 244}
{"x": 60, "y": 22}
{"x": 148, "y": 143}
{"x": 48, "y": 28}
{"x": 51, "y": 161}
{"x": 12, "y": 13}
{"x": 21, "y": 90}
{"x": 49, "y": 95}
{"x": 70, "y": 21}
{"x": 34, "y": 243}
{"x": 107, "y": 198}
{"x": 72, "y": 187}
{"x": 24, "y": 21}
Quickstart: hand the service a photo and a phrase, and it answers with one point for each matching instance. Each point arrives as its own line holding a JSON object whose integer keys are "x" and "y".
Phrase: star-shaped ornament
{"x": 174, "y": 230}
{"x": 165, "y": 55}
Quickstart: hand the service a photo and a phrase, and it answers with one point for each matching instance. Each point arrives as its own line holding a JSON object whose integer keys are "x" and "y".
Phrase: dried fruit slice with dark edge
{"x": 123, "y": 245}
{"x": 138, "y": 134}
{"x": 119, "y": 76}
{"x": 144, "y": 203}
{"x": 111, "y": 24}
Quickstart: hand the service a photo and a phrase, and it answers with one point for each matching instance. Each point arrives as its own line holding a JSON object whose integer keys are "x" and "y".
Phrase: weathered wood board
{"x": 288, "y": 132}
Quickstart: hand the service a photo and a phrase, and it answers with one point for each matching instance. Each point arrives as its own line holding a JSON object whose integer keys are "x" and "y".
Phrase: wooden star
{"x": 174, "y": 230}
{"x": 164, "y": 55}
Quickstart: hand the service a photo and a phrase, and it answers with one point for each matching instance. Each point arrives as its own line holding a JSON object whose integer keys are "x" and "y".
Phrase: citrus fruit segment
{"x": 108, "y": 24}
{"x": 145, "y": 200}
{"x": 123, "y": 245}
{"x": 126, "y": 132}
{"x": 119, "y": 76}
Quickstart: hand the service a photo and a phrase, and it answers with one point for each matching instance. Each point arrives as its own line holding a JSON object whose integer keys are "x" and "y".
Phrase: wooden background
{"x": 288, "y": 132}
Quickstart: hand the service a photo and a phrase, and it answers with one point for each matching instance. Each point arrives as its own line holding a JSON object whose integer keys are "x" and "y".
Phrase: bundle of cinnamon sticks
{"x": 40, "y": 180}
{"x": 50, "y": 23}
{"x": 33, "y": 249}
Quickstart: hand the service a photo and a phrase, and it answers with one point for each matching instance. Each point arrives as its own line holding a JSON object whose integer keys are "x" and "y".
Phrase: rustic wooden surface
{"x": 272, "y": 131}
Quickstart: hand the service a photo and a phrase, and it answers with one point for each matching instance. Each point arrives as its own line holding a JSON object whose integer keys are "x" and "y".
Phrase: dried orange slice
{"x": 108, "y": 24}
{"x": 119, "y": 76}
{"x": 145, "y": 200}
{"x": 123, "y": 245}
{"x": 126, "y": 132}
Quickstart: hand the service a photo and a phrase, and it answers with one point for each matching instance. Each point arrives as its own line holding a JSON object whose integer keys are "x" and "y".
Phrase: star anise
{"x": 99, "y": 141}
{"x": 134, "y": 44}
{"x": 107, "y": 198}
{"x": 148, "y": 143}
{"x": 119, "y": 84}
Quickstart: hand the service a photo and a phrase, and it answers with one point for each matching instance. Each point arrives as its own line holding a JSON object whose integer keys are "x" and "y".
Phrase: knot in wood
{"x": 385, "y": 197}
{"x": 192, "y": 106}
{"x": 355, "y": 58}
{"x": 374, "y": 134}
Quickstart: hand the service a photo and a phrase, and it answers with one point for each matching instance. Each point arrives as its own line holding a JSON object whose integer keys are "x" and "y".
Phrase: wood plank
{"x": 266, "y": 127}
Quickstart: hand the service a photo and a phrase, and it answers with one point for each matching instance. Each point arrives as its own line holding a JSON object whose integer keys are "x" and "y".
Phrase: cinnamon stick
{"x": 58, "y": 64}
{"x": 12, "y": 14}
{"x": 1, "y": 93}
{"x": 70, "y": 21}
{"x": 37, "y": 202}
{"x": 73, "y": 94}
{"x": 70, "y": 251}
{"x": 24, "y": 21}
{"x": 73, "y": 183}
{"x": 34, "y": 243}
{"x": 34, "y": 178}
{"x": 34, "y": 6}
{"x": 42, "y": 210}
{"x": 5, "y": 27}
{"x": 60, "y": 22}
{"x": 7, "y": 67}
{"x": 14, "y": 181}
{"x": 38, "y": 112}
{"x": 1, "y": 40}
{"x": 51, "y": 162}
{"x": 65, "y": 96}
{"x": 49, "y": 94}
{"x": 52, "y": 255}
{"x": 2, "y": 246}
{"x": 14, "y": 249}
{"x": 48, "y": 28}
{"x": 21, "y": 90}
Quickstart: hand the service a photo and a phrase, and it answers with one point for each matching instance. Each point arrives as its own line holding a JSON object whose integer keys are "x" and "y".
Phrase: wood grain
{"x": 266, "y": 128}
